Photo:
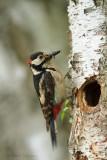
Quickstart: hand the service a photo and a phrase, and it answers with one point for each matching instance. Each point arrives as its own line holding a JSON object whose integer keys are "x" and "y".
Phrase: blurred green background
{"x": 27, "y": 26}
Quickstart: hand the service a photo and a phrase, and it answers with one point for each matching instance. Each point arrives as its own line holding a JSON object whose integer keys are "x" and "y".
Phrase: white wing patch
{"x": 42, "y": 91}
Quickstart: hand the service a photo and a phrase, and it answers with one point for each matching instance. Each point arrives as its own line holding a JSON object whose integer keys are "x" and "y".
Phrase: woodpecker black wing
{"x": 47, "y": 100}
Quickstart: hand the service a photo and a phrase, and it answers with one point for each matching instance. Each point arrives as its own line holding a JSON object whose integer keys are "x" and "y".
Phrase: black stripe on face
{"x": 35, "y": 55}
{"x": 38, "y": 68}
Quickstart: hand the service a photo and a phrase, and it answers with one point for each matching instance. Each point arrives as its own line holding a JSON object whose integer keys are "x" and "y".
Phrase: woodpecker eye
{"x": 41, "y": 57}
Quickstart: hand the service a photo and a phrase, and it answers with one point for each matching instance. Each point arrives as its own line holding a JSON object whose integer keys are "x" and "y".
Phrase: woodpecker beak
{"x": 28, "y": 61}
{"x": 50, "y": 56}
{"x": 53, "y": 54}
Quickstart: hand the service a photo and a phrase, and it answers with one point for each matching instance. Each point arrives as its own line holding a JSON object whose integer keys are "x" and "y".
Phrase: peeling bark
{"x": 87, "y": 24}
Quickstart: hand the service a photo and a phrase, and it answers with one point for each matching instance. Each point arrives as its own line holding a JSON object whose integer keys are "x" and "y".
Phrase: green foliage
{"x": 66, "y": 112}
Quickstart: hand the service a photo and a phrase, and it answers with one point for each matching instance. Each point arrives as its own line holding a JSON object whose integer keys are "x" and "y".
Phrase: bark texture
{"x": 87, "y": 24}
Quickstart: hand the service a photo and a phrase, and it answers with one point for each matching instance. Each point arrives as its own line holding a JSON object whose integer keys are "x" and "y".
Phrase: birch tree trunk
{"x": 88, "y": 64}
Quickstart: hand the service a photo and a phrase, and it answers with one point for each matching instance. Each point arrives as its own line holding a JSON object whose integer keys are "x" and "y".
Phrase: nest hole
{"x": 92, "y": 92}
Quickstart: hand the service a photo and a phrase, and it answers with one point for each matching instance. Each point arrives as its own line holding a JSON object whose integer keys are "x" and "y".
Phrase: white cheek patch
{"x": 36, "y": 61}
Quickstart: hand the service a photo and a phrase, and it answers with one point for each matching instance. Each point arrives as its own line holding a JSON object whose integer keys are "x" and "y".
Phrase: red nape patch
{"x": 57, "y": 109}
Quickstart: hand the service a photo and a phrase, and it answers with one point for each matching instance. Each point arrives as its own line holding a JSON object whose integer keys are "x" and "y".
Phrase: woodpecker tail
{"x": 53, "y": 132}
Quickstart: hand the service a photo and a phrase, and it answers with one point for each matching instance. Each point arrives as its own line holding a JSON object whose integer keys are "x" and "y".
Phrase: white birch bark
{"x": 87, "y": 24}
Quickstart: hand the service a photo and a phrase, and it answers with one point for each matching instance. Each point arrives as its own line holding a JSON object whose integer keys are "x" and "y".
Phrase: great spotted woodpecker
{"x": 49, "y": 85}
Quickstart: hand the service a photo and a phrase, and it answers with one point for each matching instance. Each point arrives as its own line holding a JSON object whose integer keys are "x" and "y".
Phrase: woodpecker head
{"x": 38, "y": 60}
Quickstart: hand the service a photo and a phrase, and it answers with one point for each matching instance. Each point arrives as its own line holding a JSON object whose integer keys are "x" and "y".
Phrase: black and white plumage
{"x": 48, "y": 82}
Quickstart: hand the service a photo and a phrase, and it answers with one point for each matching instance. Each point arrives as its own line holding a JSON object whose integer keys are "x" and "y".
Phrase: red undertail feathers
{"x": 57, "y": 109}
